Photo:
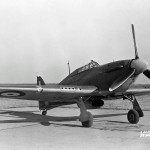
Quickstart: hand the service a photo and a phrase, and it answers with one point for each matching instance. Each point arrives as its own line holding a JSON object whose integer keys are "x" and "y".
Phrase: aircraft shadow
{"x": 108, "y": 115}
{"x": 31, "y": 117}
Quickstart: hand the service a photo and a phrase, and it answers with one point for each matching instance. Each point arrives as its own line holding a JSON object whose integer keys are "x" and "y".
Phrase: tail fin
{"x": 40, "y": 81}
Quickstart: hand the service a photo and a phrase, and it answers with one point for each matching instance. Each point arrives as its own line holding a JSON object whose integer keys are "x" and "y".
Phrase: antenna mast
{"x": 68, "y": 66}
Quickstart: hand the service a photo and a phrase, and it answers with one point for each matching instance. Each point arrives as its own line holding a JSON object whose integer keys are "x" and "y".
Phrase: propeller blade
{"x": 147, "y": 73}
{"x": 134, "y": 40}
{"x": 121, "y": 80}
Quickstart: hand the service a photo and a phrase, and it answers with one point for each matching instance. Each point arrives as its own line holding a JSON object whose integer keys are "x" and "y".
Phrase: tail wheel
{"x": 133, "y": 116}
{"x": 44, "y": 112}
{"x": 89, "y": 122}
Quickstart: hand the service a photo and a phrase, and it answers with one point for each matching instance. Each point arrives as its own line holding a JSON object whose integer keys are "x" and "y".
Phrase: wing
{"x": 138, "y": 90}
{"x": 46, "y": 92}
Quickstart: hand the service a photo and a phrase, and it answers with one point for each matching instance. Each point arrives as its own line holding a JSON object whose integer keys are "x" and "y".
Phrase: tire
{"x": 89, "y": 122}
{"x": 133, "y": 116}
{"x": 44, "y": 112}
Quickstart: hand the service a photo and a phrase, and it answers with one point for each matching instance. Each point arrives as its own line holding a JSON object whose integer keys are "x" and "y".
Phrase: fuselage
{"x": 102, "y": 76}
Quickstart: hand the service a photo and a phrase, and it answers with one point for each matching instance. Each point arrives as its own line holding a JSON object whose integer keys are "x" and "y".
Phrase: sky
{"x": 40, "y": 36}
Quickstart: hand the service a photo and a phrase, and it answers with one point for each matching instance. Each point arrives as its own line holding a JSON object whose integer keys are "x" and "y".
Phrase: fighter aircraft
{"x": 88, "y": 87}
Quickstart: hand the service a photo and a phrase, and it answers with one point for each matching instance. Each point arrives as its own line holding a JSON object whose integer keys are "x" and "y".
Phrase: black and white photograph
{"x": 74, "y": 74}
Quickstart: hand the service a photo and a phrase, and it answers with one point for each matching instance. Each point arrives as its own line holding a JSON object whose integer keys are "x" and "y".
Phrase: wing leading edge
{"x": 138, "y": 90}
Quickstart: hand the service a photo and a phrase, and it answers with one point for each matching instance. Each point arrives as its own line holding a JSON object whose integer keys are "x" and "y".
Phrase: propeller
{"x": 141, "y": 65}
{"x": 147, "y": 73}
{"x": 134, "y": 40}
{"x": 137, "y": 67}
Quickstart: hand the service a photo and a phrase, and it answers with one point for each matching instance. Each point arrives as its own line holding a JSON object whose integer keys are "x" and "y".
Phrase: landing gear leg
{"x": 85, "y": 117}
{"x": 44, "y": 112}
{"x": 134, "y": 114}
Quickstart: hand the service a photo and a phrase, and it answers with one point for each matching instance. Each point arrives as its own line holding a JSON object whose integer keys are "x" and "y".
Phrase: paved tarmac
{"x": 26, "y": 129}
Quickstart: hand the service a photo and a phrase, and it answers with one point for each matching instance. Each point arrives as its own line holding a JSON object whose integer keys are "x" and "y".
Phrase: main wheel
{"x": 133, "y": 116}
{"x": 44, "y": 112}
{"x": 89, "y": 122}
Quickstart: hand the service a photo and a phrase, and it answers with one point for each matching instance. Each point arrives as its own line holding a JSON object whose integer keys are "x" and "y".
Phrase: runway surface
{"x": 25, "y": 128}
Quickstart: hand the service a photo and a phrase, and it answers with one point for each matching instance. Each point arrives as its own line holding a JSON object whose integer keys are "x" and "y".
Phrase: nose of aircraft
{"x": 139, "y": 65}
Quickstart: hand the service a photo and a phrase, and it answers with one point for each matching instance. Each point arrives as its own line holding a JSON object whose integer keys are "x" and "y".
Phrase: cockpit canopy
{"x": 90, "y": 65}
